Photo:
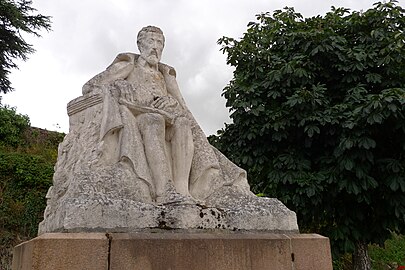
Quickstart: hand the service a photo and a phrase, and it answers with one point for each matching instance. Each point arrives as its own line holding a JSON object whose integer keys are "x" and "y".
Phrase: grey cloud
{"x": 88, "y": 34}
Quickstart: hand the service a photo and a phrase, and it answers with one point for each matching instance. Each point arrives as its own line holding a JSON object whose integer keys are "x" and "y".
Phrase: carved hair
{"x": 148, "y": 29}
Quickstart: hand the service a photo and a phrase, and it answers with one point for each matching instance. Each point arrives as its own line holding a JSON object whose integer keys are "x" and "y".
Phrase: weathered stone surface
{"x": 310, "y": 250}
{"x": 163, "y": 250}
{"x": 229, "y": 211}
{"x": 135, "y": 158}
{"x": 63, "y": 252}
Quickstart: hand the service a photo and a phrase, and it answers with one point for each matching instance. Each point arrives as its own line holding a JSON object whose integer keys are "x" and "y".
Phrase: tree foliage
{"x": 24, "y": 182}
{"x": 16, "y": 18}
{"x": 318, "y": 110}
{"x": 27, "y": 158}
{"x": 12, "y": 126}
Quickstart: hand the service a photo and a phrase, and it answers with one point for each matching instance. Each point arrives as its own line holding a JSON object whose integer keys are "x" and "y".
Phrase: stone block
{"x": 236, "y": 251}
{"x": 311, "y": 250}
{"x": 63, "y": 251}
{"x": 197, "y": 252}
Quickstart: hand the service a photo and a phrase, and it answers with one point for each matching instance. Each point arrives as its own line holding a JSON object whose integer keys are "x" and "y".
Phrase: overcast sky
{"x": 87, "y": 35}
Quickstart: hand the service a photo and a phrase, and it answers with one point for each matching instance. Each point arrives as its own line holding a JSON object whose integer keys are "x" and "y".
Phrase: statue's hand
{"x": 167, "y": 104}
{"x": 137, "y": 109}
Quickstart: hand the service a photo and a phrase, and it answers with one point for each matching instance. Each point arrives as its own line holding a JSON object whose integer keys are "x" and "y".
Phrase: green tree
{"x": 27, "y": 158}
{"x": 16, "y": 18}
{"x": 12, "y": 126}
{"x": 318, "y": 110}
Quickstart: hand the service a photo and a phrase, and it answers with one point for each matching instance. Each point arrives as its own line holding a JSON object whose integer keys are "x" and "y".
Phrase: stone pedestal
{"x": 174, "y": 251}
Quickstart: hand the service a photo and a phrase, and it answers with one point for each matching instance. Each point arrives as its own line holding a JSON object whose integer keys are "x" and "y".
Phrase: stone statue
{"x": 135, "y": 158}
{"x": 153, "y": 115}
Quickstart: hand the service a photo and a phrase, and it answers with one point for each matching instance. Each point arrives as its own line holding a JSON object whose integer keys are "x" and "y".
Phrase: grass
{"x": 389, "y": 257}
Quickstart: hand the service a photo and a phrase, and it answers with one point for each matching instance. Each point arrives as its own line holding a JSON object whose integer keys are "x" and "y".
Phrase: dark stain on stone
{"x": 163, "y": 225}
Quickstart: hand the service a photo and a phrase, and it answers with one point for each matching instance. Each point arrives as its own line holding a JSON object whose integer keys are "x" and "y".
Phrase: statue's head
{"x": 150, "y": 42}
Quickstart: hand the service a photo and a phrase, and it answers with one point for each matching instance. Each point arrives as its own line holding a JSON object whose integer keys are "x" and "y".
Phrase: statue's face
{"x": 151, "y": 47}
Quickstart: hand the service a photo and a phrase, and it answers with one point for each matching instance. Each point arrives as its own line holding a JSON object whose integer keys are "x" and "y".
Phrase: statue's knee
{"x": 182, "y": 129}
{"x": 183, "y": 122}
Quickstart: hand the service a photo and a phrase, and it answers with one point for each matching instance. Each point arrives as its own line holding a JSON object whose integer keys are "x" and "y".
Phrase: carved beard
{"x": 152, "y": 59}
{"x": 151, "y": 56}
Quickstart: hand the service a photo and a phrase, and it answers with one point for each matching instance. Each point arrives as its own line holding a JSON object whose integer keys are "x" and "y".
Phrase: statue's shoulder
{"x": 166, "y": 69}
{"x": 125, "y": 57}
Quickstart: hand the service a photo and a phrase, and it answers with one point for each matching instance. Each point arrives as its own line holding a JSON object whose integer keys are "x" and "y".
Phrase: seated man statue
{"x": 146, "y": 123}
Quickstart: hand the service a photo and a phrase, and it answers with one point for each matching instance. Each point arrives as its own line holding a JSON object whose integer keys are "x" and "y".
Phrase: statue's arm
{"x": 116, "y": 71}
{"x": 169, "y": 74}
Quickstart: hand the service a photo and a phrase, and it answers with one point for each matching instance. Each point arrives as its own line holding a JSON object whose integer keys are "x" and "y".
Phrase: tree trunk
{"x": 360, "y": 258}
